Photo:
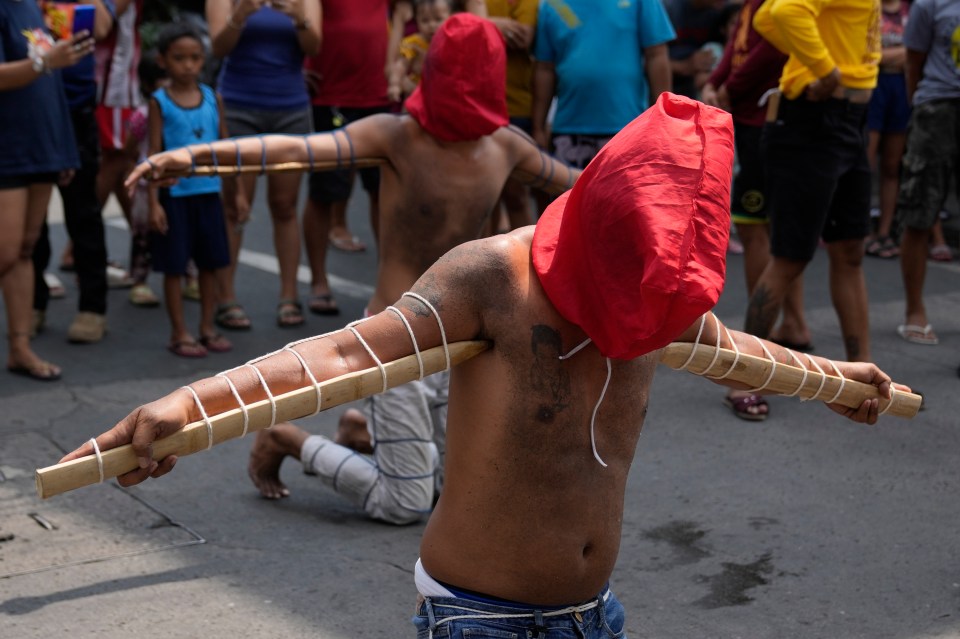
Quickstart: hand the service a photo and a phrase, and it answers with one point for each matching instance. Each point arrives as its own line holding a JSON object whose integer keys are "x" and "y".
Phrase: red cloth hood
{"x": 462, "y": 93}
{"x": 636, "y": 251}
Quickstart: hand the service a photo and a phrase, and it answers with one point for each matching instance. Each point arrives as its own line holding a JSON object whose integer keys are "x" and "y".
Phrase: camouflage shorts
{"x": 930, "y": 164}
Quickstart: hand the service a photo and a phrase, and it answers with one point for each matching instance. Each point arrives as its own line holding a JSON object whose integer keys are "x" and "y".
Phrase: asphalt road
{"x": 803, "y": 526}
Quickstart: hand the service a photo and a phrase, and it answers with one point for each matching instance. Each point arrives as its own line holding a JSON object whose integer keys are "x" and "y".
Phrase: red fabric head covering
{"x": 462, "y": 93}
{"x": 636, "y": 251}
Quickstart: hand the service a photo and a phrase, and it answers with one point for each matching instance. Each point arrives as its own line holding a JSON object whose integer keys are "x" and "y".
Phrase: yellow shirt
{"x": 519, "y": 63}
{"x": 414, "y": 48}
{"x": 820, "y": 35}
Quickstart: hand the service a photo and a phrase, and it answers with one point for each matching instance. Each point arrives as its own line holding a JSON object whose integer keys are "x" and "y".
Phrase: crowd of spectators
{"x": 577, "y": 72}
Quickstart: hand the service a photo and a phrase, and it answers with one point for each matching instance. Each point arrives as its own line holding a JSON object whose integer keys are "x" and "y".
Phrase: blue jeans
{"x": 452, "y": 618}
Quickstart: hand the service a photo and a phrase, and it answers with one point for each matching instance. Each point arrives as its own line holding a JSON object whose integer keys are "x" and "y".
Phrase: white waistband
{"x": 427, "y": 585}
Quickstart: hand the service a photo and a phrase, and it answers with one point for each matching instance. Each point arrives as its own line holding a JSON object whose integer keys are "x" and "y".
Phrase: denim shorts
{"x": 449, "y": 618}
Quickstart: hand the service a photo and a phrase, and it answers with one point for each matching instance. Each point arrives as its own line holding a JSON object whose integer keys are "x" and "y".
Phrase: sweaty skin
{"x": 526, "y": 513}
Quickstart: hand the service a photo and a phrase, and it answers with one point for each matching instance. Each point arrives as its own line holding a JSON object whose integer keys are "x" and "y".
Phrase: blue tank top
{"x": 183, "y": 126}
{"x": 265, "y": 69}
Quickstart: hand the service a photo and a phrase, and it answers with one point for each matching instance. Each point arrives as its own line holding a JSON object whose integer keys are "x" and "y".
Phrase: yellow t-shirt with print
{"x": 820, "y": 35}
{"x": 519, "y": 63}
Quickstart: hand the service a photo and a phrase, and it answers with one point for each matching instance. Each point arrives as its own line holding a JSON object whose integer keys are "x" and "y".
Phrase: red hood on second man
{"x": 462, "y": 93}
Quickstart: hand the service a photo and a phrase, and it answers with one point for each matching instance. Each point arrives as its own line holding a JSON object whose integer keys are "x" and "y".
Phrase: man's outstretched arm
{"x": 710, "y": 330}
{"x": 365, "y": 139}
{"x": 448, "y": 289}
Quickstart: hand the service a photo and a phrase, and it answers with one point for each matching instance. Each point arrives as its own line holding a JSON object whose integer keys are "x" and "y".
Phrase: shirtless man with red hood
{"x": 543, "y": 426}
{"x": 446, "y": 165}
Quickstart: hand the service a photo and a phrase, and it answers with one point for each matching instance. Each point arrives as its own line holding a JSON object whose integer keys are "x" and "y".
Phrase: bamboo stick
{"x": 60, "y": 478}
{"x": 787, "y": 379}
{"x": 280, "y": 167}
{"x": 294, "y": 167}
{"x": 192, "y": 438}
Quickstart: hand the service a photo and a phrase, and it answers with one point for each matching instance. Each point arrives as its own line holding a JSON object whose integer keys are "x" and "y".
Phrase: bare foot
{"x": 267, "y": 454}
{"x": 352, "y": 432}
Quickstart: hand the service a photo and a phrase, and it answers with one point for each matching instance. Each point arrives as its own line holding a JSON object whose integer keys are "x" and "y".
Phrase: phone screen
{"x": 83, "y": 15}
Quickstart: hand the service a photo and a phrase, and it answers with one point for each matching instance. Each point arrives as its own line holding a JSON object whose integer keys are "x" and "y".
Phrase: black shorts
{"x": 818, "y": 178}
{"x": 196, "y": 230}
{"x": 335, "y": 186}
{"x": 749, "y": 205}
{"x": 26, "y": 179}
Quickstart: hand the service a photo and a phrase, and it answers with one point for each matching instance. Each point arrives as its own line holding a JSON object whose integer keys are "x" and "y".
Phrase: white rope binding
{"x": 696, "y": 342}
{"x": 843, "y": 381}
{"x": 203, "y": 414}
{"x": 716, "y": 353}
{"x": 96, "y": 451}
{"x": 803, "y": 381}
{"x": 773, "y": 369}
{"x": 413, "y": 338}
{"x": 443, "y": 334}
{"x": 366, "y": 347}
{"x": 240, "y": 403}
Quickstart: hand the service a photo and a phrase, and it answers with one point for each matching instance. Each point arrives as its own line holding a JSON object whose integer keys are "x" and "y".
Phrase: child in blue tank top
{"x": 186, "y": 219}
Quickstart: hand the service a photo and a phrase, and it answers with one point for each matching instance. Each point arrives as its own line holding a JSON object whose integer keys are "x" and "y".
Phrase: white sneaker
{"x": 118, "y": 278}
{"x": 57, "y": 289}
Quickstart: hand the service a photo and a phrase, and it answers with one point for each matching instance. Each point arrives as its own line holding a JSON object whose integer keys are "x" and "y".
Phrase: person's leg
{"x": 230, "y": 314}
{"x": 848, "y": 291}
{"x": 82, "y": 214}
{"x": 340, "y": 236}
{"x": 891, "y": 154}
{"x": 913, "y": 268}
{"x": 316, "y": 229}
{"x": 398, "y": 484}
{"x": 927, "y": 166}
{"x": 209, "y": 338}
{"x": 22, "y": 211}
{"x": 270, "y": 447}
{"x": 327, "y": 200}
{"x": 282, "y": 191}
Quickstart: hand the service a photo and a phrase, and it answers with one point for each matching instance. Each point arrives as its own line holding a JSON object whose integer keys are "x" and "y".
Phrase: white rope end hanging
{"x": 593, "y": 417}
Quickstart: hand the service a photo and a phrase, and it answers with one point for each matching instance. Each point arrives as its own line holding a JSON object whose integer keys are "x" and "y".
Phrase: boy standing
{"x": 186, "y": 220}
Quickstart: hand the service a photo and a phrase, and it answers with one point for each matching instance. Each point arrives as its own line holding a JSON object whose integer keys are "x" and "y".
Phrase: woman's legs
{"x": 282, "y": 192}
{"x": 22, "y": 212}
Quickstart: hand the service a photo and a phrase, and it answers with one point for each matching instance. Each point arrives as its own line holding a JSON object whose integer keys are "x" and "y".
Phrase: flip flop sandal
{"x": 323, "y": 305}
{"x": 232, "y": 317}
{"x": 187, "y": 348}
{"x": 741, "y": 406}
{"x": 347, "y": 243}
{"x": 916, "y": 334}
{"x": 216, "y": 343}
{"x": 289, "y": 314}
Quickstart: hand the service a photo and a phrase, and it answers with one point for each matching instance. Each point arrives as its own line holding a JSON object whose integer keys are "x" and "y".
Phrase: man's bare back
{"x": 520, "y": 468}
